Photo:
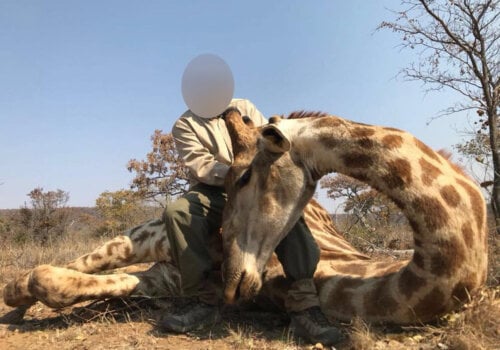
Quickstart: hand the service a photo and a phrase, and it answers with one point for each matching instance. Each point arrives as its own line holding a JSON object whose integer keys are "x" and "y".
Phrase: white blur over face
{"x": 207, "y": 85}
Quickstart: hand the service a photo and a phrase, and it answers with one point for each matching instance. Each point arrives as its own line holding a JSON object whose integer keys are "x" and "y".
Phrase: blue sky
{"x": 83, "y": 84}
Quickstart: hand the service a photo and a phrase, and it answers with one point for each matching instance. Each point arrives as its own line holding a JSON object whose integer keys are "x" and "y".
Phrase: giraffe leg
{"x": 145, "y": 243}
{"x": 16, "y": 294}
{"x": 59, "y": 287}
{"x": 118, "y": 252}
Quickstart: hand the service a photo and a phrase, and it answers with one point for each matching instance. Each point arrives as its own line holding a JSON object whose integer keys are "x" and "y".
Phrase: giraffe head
{"x": 266, "y": 194}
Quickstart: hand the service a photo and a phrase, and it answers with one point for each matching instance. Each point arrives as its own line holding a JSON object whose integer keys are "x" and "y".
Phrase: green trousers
{"x": 192, "y": 218}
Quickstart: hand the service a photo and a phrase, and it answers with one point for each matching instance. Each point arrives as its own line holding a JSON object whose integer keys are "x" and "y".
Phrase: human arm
{"x": 198, "y": 158}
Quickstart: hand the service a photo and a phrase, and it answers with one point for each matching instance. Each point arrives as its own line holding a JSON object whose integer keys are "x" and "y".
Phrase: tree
{"x": 477, "y": 152}
{"x": 459, "y": 49}
{"x": 120, "y": 210}
{"x": 46, "y": 217}
{"x": 360, "y": 200}
{"x": 162, "y": 174}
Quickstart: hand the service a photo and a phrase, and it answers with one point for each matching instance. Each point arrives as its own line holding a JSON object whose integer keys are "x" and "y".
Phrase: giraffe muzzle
{"x": 244, "y": 285}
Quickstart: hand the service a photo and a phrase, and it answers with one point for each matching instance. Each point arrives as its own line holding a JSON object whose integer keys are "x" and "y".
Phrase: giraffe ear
{"x": 274, "y": 140}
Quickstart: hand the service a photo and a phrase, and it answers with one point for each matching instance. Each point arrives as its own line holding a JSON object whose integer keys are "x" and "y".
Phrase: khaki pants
{"x": 195, "y": 216}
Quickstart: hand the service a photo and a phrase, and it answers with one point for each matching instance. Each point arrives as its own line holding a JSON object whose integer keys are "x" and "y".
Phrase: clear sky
{"x": 83, "y": 84}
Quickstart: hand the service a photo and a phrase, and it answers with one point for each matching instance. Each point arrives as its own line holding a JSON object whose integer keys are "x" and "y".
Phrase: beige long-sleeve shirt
{"x": 205, "y": 145}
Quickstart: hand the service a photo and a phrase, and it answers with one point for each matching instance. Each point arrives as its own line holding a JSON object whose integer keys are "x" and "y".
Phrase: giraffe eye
{"x": 245, "y": 178}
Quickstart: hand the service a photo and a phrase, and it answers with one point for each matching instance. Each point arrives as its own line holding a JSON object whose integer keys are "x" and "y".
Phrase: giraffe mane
{"x": 306, "y": 114}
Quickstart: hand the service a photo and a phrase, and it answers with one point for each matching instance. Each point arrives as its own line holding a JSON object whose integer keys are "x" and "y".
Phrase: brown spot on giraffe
{"x": 450, "y": 195}
{"x": 142, "y": 237}
{"x": 341, "y": 296}
{"x": 380, "y": 301}
{"x": 127, "y": 250}
{"x": 477, "y": 203}
{"x": 132, "y": 257}
{"x": 449, "y": 258}
{"x": 159, "y": 246}
{"x": 418, "y": 259}
{"x": 135, "y": 230}
{"x": 432, "y": 304}
{"x": 429, "y": 172}
{"x": 105, "y": 266}
{"x": 434, "y": 214}
{"x": 328, "y": 142}
{"x": 111, "y": 246}
{"x": 91, "y": 282}
{"x": 366, "y": 143}
{"x": 427, "y": 150}
{"x": 357, "y": 160}
{"x": 96, "y": 256}
{"x": 359, "y": 176}
{"x": 399, "y": 173}
{"x": 410, "y": 283}
{"x": 392, "y": 141}
{"x": 362, "y": 132}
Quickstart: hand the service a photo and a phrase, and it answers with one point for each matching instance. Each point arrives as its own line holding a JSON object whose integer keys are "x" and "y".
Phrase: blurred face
{"x": 207, "y": 85}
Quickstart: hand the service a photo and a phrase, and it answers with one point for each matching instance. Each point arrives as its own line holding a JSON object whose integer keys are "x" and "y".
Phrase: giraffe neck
{"x": 443, "y": 206}
{"x": 445, "y": 209}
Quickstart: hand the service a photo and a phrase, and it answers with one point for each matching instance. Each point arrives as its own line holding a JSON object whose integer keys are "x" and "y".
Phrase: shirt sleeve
{"x": 197, "y": 158}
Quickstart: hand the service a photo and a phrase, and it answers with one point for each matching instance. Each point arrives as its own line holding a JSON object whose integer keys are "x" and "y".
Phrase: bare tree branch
{"x": 459, "y": 49}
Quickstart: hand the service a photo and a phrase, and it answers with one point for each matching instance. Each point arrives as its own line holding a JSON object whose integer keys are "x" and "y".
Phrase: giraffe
{"x": 82, "y": 279}
{"x": 275, "y": 172}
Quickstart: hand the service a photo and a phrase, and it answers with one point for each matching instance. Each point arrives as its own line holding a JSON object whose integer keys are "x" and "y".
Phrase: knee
{"x": 175, "y": 211}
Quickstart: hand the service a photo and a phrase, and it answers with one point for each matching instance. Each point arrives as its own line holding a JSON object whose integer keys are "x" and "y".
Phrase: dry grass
{"x": 18, "y": 257}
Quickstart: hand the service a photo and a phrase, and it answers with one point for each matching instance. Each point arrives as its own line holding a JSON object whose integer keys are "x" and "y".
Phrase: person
{"x": 205, "y": 146}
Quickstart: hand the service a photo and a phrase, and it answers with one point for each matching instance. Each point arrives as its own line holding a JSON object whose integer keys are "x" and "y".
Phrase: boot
{"x": 192, "y": 316}
{"x": 312, "y": 325}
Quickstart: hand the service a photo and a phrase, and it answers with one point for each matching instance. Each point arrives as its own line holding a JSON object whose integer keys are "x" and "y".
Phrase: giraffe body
{"x": 269, "y": 185}
{"x": 450, "y": 244}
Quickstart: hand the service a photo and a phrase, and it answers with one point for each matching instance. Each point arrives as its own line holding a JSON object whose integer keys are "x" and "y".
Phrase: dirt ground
{"x": 131, "y": 324}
